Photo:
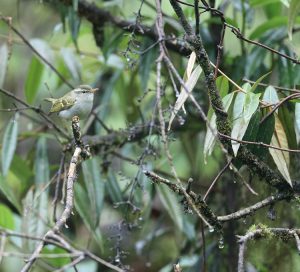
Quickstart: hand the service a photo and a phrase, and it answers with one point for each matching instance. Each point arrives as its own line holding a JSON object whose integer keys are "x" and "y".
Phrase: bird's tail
{"x": 50, "y": 100}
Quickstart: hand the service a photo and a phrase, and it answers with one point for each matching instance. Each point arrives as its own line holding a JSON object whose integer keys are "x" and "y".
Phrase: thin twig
{"x": 216, "y": 179}
{"x": 251, "y": 209}
{"x": 260, "y": 144}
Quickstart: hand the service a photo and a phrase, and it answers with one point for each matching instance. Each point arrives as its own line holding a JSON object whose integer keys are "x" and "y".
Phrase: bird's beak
{"x": 94, "y": 90}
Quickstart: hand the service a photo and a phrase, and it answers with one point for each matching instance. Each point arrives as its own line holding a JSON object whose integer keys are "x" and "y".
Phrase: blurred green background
{"x": 119, "y": 214}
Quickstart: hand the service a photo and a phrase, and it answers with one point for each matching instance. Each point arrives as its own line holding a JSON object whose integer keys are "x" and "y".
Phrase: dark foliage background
{"x": 123, "y": 212}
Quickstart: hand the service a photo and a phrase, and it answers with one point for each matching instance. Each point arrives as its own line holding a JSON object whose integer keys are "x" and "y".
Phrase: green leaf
{"x": 113, "y": 188}
{"x": 254, "y": 86}
{"x": 56, "y": 262}
{"x": 281, "y": 158}
{"x": 271, "y": 24}
{"x": 33, "y": 79}
{"x": 270, "y": 95}
{"x": 190, "y": 84}
{"x": 252, "y": 129}
{"x": 210, "y": 139}
{"x": 286, "y": 117}
{"x": 297, "y": 121}
{"x": 9, "y": 143}
{"x": 293, "y": 12}
{"x": 74, "y": 25}
{"x": 3, "y": 61}
{"x": 251, "y": 104}
{"x": 83, "y": 207}
{"x": 147, "y": 61}
{"x": 244, "y": 107}
{"x": 6, "y": 217}
{"x": 238, "y": 106}
{"x": 34, "y": 217}
{"x": 41, "y": 162}
{"x": 170, "y": 202}
{"x": 23, "y": 173}
{"x": 111, "y": 41}
{"x": 43, "y": 48}
{"x": 264, "y": 135}
{"x": 260, "y": 3}
{"x": 36, "y": 69}
{"x": 75, "y": 5}
{"x": 8, "y": 193}
{"x": 218, "y": 3}
{"x": 95, "y": 187}
{"x": 285, "y": 2}
{"x": 222, "y": 85}
{"x": 71, "y": 63}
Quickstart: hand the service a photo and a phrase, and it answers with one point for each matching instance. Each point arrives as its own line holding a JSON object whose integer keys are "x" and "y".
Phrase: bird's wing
{"x": 63, "y": 103}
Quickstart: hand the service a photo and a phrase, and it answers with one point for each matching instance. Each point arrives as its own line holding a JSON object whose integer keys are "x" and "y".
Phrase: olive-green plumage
{"x": 76, "y": 102}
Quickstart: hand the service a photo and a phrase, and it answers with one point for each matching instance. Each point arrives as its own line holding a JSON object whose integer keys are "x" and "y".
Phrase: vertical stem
{"x": 197, "y": 17}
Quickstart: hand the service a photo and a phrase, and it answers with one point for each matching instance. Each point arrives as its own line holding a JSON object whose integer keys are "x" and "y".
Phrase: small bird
{"x": 78, "y": 102}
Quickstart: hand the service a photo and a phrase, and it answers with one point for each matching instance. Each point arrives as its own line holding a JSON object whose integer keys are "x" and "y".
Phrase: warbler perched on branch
{"x": 78, "y": 102}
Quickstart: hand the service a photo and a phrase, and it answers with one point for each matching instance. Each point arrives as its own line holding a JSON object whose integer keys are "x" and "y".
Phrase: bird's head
{"x": 84, "y": 93}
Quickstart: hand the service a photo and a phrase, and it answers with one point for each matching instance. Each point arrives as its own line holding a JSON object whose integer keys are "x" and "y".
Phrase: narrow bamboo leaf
{"x": 75, "y": 5}
{"x": 6, "y": 217}
{"x": 273, "y": 23}
{"x": 74, "y": 24}
{"x": 34, "y": 79}
{"x": 42, "y": 172}
{"x": 254, "y": 86}
{"x": 190, "y": 66}
{"x": 9, "y": 143}
{"x": 210, "y": 139}
{"x": 281, "y": 158}
{"x": 21, "y": 169}
{"x": 29, "y": 221}
{"x": 3, "y": 61}
{"x": 9, "y": 194}
{"x": 41, "y": 208}
{"x": 294, "y": 9}
{"x": 190, "y": 84}
{"x": 82, "y": 206}
{"x": 113, "y": 188}
{"x": 259, "y": 3}
{"x": 146, "y": 63}
{"x": 171, "y": 204}
{"x": 188, "y": 72}
{"x": 71, "y": 63}
{"x": 56, "y": 262}
{"x": 36, "y": 69}
{"x": 222, "y": 85}
{"x": 41, "y": 162}
{"x": 95, "y": 187}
